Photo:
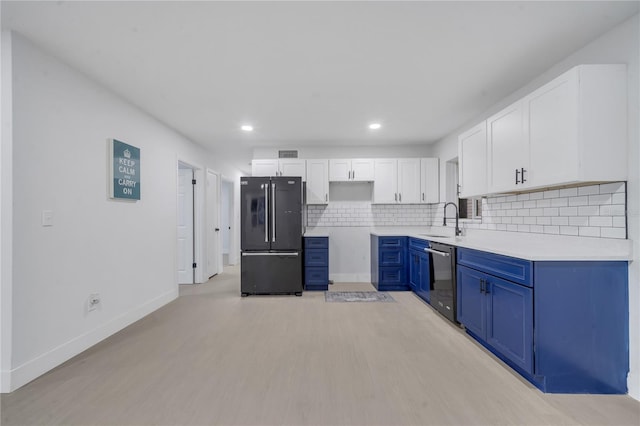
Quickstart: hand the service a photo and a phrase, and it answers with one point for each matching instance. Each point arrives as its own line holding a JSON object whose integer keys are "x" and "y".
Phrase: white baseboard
{"x": 633, "y": 385}
{"x": 6, "y": 381}
{"x": 351, "y": 278}
{"x": 36, "y": 367}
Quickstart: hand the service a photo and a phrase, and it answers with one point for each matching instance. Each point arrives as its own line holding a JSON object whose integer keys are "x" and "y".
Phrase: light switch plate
{"x": 47, "y": 218}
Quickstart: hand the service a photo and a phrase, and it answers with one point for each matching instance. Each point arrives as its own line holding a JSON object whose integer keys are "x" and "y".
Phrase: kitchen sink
{"x": 436, "y": 235}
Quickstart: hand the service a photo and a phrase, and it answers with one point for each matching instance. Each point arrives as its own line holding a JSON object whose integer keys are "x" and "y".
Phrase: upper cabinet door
{"x": 472, "y": 161}
{"x": 339, "y": 170}
{"x": 293, "y": 167}
{"x": 268, "y": 167}
{"x": 385, "y": 185}
{"x": 508, "y": 149}
{"x": 317, "y": 181}
{"x": 409, "y": 180}
{"x": 362, "y": 170}
{"x": 429, "y": 180}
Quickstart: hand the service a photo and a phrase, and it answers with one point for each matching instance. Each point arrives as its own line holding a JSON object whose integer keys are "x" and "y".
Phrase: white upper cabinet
{"x": 406, "y": 181}
{"x": 578, "y": 127}
{"x": 279, "y": 167}
{"x": 317, "y": 181}
{"x": 508, "y": 149}
{"x": 472, "y": 161}
{"x": 266, "y": 167}
{"x": 352, "y": 170}
{"x": 571, "y": 130}
{"x": 409, "y": 180}
{"x": 385, "y": 185}
{"x": 429, "y": 180}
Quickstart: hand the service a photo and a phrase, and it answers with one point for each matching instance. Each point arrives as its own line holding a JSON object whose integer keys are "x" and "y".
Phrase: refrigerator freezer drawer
{"x": 271, "y": 273}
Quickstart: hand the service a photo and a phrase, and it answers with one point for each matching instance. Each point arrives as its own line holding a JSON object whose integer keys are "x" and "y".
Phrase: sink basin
{"x": 436, "y": 235}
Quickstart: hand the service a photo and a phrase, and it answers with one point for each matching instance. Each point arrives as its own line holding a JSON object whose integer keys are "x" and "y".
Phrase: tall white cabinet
{"x": 472, "y": 161}
{"x": 317, "y": 181}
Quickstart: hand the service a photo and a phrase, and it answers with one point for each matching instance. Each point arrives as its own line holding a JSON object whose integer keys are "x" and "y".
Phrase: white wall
{"x": 620, "y": 45}
{"x": 332, "y": 151}
{"x": 126, "y": 251}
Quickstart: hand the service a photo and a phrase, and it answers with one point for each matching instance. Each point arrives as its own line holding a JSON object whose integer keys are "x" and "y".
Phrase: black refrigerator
{"x": 271, "y": 235}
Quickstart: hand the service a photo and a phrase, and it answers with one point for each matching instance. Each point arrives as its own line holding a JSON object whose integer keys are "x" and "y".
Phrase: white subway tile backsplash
{"x": 588, "y": 211}
{"x": 568, "y": 211}
{"x": 601, "y": 221}
{"x": 529, "y": 204}
{"x": 610, "y": 188}
{"x": 599, "y": 199}
{"x": 539, "y": 229}
{"x": 551, "y": 230}
{"x": 568, "y": 230}
{"x": 579, "y": 221}
{"x": 516, "y": 205}
{"x": 589, "y": 190}
{"x": 536, "y": 212}
{"x": 543, "y": 203}
{"x": 523, "y": 197}
{"x": 542, "y": 220}
{"x": 586, "y": 231}
{"x": 612, "y": 210}
{"x": 619, "y": 198}
{"x": 579, "y": 201}
{"x": 551, "y": 211}
{"x": 553, "y": 193}
{"x": 536, "y": 196}
{"x": 613, "y": 233}
{"x": 530, "y": 220}
{"x": 620, "y": 222}
{"x": 569, "y": 192}
{"x": 559, "y": 202}
{"x": 560, "y": 220}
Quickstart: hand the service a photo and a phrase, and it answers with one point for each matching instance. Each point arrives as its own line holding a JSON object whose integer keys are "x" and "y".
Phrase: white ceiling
{"x": 313, "y": 72}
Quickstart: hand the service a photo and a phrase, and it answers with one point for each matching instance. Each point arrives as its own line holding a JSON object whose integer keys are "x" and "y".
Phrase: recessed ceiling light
{"x": 375, "y": 126}
{"x": 247, "y": 128}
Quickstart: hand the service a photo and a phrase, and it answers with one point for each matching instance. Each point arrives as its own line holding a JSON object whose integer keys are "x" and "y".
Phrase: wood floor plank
{"x": 212, "y": 357}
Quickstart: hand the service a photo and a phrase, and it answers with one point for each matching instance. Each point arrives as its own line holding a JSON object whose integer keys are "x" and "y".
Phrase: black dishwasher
{"x": 442, "y": 258}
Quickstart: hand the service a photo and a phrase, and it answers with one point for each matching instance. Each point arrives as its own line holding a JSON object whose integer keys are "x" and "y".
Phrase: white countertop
{"x": 316, "y": 232}
{"x": 537, "y": 247}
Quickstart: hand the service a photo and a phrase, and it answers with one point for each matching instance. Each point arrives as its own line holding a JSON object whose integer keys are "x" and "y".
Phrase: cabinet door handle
{"x": 353, "y": 173}
{"x": 522, "y": 179}
{"x": 326, "y": 197}
{"x": 396, "y": 196}
{"x": 482, "y": 284}
{"x": 423, "y": 196}
{"x": 400, "y": 197}
{"x": 349, "y": 174}
{"x": 517, "y": 174}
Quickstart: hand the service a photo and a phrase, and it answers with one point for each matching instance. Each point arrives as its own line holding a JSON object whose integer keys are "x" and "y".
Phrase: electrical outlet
{"x": 93, "y": 301}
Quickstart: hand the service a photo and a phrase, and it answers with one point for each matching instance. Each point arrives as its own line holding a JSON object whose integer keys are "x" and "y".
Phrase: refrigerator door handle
{"x": 273, "y": 212}
{"x": 266, "y": 213}
{"x": 296, "y": 254}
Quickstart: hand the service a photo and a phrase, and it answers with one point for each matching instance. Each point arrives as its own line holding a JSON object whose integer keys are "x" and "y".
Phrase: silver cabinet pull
{"x": 273, "y": 212}
{"x": 396, "y": 196}
{"x": 326, "y": 197}
{"x": 400, "y": 197}
{"x": 423, "y": 196}
{"x": 353, "y": 173}
{"x": 270, "y": 254}
{"x": 266, "y": 213}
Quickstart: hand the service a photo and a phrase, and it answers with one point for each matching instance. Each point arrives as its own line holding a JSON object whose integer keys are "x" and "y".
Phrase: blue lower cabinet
{"x": 424, "y": 283}
{"x": 419, "y": 268}
{"x": 389, "y": 268}
{"x": 565, "y": 330}
{"x": 316, "y": 263}
{"x": 414, "y": 270}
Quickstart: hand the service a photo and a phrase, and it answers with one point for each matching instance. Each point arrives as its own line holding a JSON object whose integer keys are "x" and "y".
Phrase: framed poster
{"x": 124, "y": 171}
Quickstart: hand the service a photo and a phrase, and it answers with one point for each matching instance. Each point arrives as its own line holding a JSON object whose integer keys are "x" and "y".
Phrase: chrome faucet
{"x": 444, "y": 223}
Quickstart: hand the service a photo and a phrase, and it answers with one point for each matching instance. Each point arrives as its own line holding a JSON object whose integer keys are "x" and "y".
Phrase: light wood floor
{"x": 212, "y": 357}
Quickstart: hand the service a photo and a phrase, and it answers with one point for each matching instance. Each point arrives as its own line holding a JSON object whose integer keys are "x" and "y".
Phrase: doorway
{"x": 186, "y": 237}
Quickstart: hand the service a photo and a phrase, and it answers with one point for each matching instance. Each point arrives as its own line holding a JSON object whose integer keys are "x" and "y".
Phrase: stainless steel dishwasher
{"x": 442, "y": 259}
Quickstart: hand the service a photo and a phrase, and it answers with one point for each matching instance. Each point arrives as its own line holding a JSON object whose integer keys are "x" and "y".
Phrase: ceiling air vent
{"x": 288, "y": 154}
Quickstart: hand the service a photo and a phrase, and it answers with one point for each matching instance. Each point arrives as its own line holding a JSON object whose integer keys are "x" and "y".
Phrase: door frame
{"x": 234, "y": 233}
{"x": 199, "y": 252}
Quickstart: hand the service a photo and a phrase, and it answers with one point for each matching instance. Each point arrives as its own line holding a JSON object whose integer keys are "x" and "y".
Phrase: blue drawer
{"x": 391, "y": 257}
{"x": 392, "y": 242}
{"x": 316, "y": 242}
{"x": 393, "y": 276}
{"x": 316, "y": 278}
{"x": 418, "y": 244}
{"x": 509, "y": 268}
{"x": 316, "y": 257}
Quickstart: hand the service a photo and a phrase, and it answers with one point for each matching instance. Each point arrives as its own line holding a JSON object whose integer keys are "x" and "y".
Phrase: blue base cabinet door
{"x": 425, "y": 278}
{"x": 510, "y": 321}
{"x": 316, "y": 263}
{"x": 471, "y": 300}
{"x": 414, "y": 270}
{"x": 389, "y": 269}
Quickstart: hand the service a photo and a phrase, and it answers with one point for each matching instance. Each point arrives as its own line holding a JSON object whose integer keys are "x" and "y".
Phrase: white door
{"x": 185, "y": 226}
{"x": 317, "y": 182}
{"x": 293, "y": 167}
{"x": 267, "y": 167}
{"x": 472, "y": 167}
{"x": 429, "y": 180}
{"x": 213, "y": 224}
{"x": 385, "y": 185}
{"x": 409, "y": 180}
{"x": 508, "y": 149}
{"x": 553, "y": 141}
{"x": 339, "y": 170}
{"x": 362, "y": 170}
